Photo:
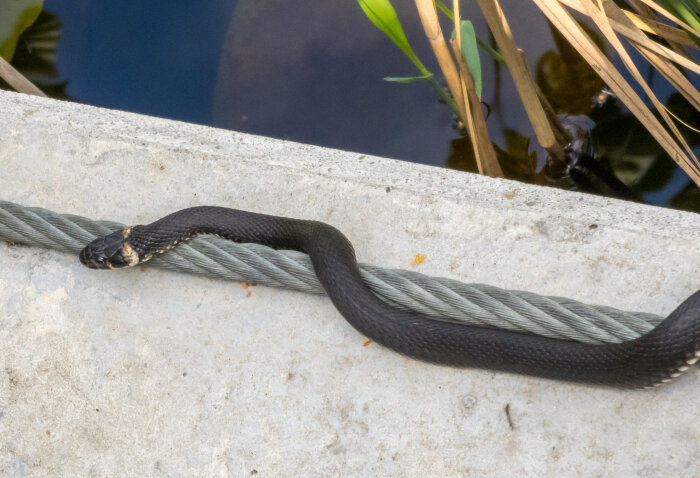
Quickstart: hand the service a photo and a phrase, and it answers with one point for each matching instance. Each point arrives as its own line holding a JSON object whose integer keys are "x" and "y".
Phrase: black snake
{"x": 658, "y": 356}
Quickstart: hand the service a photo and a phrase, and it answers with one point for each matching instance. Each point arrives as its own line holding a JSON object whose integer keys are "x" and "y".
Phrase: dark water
{"x": 312, "y": 72}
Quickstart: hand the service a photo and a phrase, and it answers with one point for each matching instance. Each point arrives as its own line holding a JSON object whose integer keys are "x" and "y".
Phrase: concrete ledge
{"x": 148, "y": 372}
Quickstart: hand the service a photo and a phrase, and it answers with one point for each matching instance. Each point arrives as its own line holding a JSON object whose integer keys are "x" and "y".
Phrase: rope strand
{"x": 445, "y": 299}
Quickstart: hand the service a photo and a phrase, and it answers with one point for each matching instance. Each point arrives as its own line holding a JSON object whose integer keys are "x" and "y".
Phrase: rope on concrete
{"x": 445, "y": 299}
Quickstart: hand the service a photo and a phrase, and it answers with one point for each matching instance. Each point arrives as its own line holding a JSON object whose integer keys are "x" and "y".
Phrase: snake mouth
{"x": 109, "y": 252}
{"x": 90, "y": 259}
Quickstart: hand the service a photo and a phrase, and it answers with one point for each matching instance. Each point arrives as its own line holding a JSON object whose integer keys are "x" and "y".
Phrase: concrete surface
{"x": 144, "y": 372}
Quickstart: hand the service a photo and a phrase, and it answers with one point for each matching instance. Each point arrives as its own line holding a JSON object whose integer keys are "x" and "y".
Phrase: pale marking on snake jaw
{"x": 693, "y": 360}
{"x": 128, "y": 253}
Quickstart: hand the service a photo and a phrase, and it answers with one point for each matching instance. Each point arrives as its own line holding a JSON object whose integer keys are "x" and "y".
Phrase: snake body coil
{"x": 658, "y": 356}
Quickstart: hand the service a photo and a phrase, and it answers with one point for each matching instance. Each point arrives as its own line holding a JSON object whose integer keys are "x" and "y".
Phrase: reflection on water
{"x": 567, "y": 81}
{"x": 312, "y": 72}
{"x": 35, "y": 55}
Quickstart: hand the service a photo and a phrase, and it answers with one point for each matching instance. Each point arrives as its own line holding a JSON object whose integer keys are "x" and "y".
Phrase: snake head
{"x": 109, "y": 252}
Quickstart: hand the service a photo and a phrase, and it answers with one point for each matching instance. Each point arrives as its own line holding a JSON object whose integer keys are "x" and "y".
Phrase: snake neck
{"x": 238, "y": 226}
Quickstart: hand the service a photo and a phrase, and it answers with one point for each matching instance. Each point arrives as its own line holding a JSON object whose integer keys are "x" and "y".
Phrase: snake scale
{"x": 656, "y": 357}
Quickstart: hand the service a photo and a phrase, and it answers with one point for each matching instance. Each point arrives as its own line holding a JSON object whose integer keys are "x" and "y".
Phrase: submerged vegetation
{"x": 572, "y": 151}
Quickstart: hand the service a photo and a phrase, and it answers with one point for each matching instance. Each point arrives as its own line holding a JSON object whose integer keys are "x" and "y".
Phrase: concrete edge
{"x": 419, "y": 179}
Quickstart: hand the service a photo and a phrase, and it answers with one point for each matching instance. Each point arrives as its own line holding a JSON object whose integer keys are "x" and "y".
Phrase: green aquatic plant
{"x": 384, "y": 17}
{"x": 639, "y": 17}
{"x": 463, "y": 80}
{"x": 31, "y": 49}
{"x": 688, "y": 11}
{"x": 15, "y": 18}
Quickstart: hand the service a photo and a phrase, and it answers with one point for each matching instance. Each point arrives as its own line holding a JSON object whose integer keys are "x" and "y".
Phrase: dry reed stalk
{"x": 678, "y": 40}
{"x": 587, "y": 48}
{"x": 431, "y": 25}
{"x": 663, "y": 66}
{"x": 486, "y": 159}
{"x": 573, "y": 32}
{"x": 469, "y": 118}
{"x": 622, "y": 22}
{"x": 673, "y": 75}
{"x": 521, "y": 77}
{"x": 667, "y": 32}
{"x": 483, "y": 147}
{"x": 655, "y": 6}
{"x": 598, "y": 15}
{"x": 562, "y": 135}
{"x": 16, "y": 80}
{"x": 635, "y": 35}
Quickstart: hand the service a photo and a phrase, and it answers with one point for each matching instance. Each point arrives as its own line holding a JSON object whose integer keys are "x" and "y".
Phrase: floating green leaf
{"x": 408, "y": 79}
{"x": 383, "y": 15}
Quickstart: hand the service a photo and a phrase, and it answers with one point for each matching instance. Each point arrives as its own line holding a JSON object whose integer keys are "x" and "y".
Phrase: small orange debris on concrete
{"x": 418, "y": 259}
{"x": 246, "y": 287}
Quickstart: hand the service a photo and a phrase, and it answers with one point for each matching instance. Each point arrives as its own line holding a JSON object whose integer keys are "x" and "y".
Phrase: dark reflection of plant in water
{"x": 637, "y": 159}
{"x": 35, "y": 56}
{"x": 517, "y": 159}
{"x": 566, "y": 79}
{"x": 618, "y": 157}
